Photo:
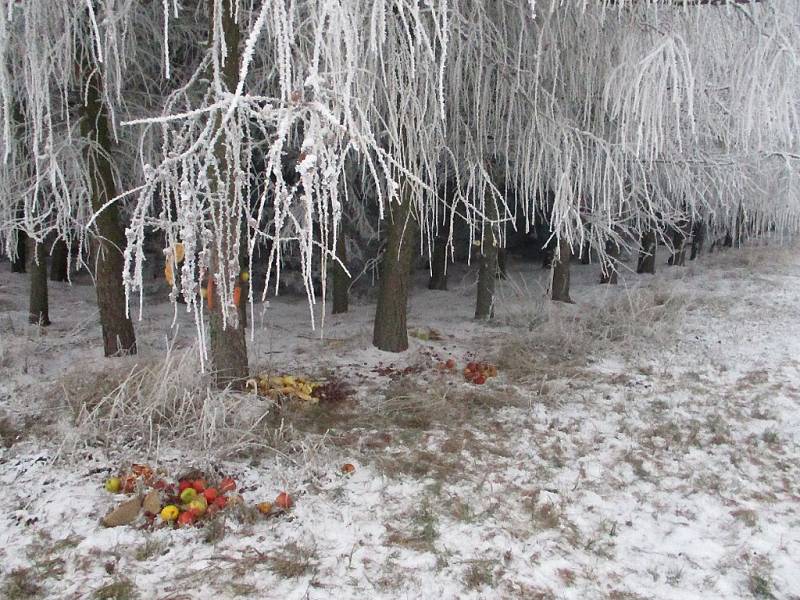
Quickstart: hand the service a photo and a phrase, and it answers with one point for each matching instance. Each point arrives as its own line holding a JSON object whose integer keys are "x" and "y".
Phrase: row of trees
{"x": 257, "y": 131}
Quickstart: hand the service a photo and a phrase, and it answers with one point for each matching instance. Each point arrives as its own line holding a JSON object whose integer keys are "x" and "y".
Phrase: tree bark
{"x": 390, "y": 331}
{"x": 502, "y": 263}
{"x": 647, "y": 253}
{"x": 228, "y": 348}
{"x": 608, "y": 269}
{"x": 438, "y": 280}
{"x": 38, "y": 308}
{"x": 680, "y": 234}
{"x": 59, "y": 271}
{"x": 487, "y": 275}
{"x": 560, "y": 285}
{"x": 341, "y": 280}
{"x": 698, "y": 238}
{"x": 118, "y": 334}
{"x": 18, "y": 263}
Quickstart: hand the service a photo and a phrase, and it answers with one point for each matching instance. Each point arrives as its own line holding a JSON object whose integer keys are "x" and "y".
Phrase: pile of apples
{"x": 478, "y": 373}
{"x": 190, "y": 501}
{"x": 195, "y": 500}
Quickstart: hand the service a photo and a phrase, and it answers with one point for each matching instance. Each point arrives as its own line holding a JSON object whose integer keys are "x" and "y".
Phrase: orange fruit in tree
{"x": 284, "y": 501}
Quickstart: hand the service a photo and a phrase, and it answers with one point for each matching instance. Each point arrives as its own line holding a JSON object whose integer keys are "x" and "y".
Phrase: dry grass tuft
{"x": 168, "y": 403}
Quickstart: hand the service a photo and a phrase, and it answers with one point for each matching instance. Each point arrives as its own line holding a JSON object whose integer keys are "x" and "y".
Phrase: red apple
{"x": 186, "y": 518}
{"x": 450, "y": 364}
{"x": 220, "y": 502}
{"x": 480, "y": 380}
{"x": 183, "y": 484}
{"x": 284, "y": 501}
{"x": 227, "y": 485}
{"x": 199, "y": 485}
{"x": 210, "y": 494}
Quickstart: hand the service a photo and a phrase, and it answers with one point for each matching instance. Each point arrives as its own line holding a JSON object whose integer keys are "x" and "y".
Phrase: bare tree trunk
{"x": 698, "y": 238}
{"x": 38, "y": 308}
{"x": 390, "y": 331}
{"x": 586, "y": 248}
{"x": 438, "y": 280}
{"x": 228, "y": 348}
{"x": 680, "y": 234}
{"x": 608, "y": 270}
{"x": 59, "y": 262}
{"x": 560, "y": 285}
{"x": 341, "y": 279}
{"x": 19, "y": 261}
{"x": 118, "y": 334}
{"x": 502, "y": 263}
{"x": 647, "y": 253}
{"x": 487, "y": 275}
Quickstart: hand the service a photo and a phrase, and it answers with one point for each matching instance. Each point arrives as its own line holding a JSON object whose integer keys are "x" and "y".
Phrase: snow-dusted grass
{"x": 641, "y": 443}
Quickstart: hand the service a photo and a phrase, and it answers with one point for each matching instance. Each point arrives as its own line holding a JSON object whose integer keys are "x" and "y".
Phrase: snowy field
{"x": 641, "y": 443}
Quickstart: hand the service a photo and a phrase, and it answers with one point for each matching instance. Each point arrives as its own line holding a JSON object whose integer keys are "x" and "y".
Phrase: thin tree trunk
{"x": 586, "y": 248}
{"x": 560, "y": 285}
{"x": 438, "y": 280}
{"x": 647, "y": 253}
{"x": 19, "y": 261}
{"x": 390, "y": 332}
{"x": 698, "y": 238}
{"x": 502, "y": 263}
{"x": 118, "y": 334}
{"x": 680, "y": 234}
{"x": 228, "y": 348}
{"x": 59, "y": 261}
{"x": 38, "y": 308}
{"x": 341, "y": 279}
{"x": 487, "y": 275}
{"x": 608, "y": 269}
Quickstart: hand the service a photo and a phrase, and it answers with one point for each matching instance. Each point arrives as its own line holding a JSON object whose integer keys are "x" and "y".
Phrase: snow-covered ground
{"x": 641, "y": 443}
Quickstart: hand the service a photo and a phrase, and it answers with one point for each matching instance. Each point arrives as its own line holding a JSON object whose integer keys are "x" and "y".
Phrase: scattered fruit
{"x": 198, "y": 506}
{"x": 478, "y": 373}
{"x": 348, "y": 468}
{"x": 450, "y": 364}
{"x": 210, "y": 494}
{"x": 199, "y": 485}
{"x": 264, "y": 507}
{"x": 170, "y": 512}
{"x": 284, "y": 501}
{"x": 227, "y": 485}
{"x": 183, "y": 484}
{"x": 188, "y": 495}
{"x": 283, "y": 386}
{"x": 220, "y": 502}
{"x": 186, "y": 518}
{"x": 113, "y": 485}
